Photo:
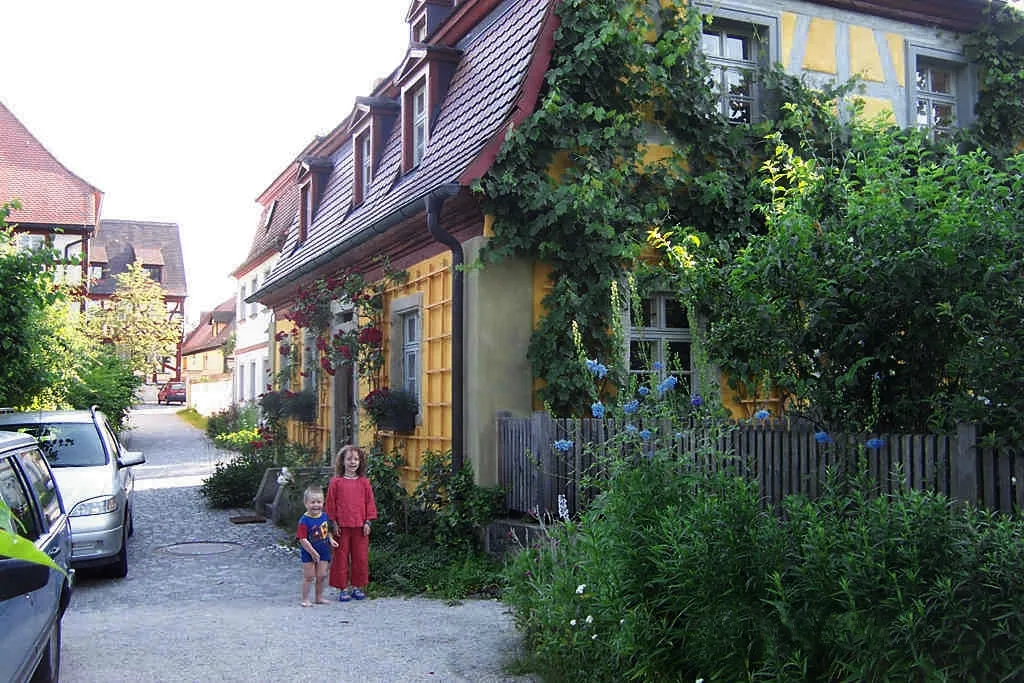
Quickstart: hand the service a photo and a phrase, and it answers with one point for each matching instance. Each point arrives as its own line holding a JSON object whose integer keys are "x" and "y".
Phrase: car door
{"x": 25, "y": 619}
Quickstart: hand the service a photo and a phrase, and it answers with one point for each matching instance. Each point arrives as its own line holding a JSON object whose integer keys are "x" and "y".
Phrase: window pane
{"x": 675, "y": 316}
{"x": 640, "y": 355}
{"x": 644, "y": 315}
{"x": 942, "y": 81}
{"x": 12, "y": 493}
{"x": 42, "y": 483}
{"x": 679, "y": 357}
{"x": 710, "y": 45}
{"x": 943, "y": 115}
{"x": 68, "y": 444}
{"x": 737, "y": 47}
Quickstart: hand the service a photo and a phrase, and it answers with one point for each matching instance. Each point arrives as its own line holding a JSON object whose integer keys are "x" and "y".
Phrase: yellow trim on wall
{"x": 788, "y": 29}
{"x": 821, "y": 46}
{"x": 864, "y": 57}
{"x": 875, "y": 107}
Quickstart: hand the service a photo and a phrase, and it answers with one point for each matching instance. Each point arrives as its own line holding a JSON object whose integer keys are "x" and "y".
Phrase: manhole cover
{"x": 201, "y": 548}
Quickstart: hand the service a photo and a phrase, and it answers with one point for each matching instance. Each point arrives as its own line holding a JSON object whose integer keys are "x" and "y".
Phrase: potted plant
{"x": 393, "y": 409}
{"x": 302, "y": 405}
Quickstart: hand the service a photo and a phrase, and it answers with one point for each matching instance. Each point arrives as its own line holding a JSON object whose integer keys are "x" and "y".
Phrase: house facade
{"x": 391, "y": 189}
{"x": 205, "y": 356}
{"x": 58, "y": 209}
{"x": 157, "y": 245}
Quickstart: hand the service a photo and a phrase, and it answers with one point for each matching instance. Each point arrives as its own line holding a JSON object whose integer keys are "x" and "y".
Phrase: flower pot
{"x": 404, "y": 423}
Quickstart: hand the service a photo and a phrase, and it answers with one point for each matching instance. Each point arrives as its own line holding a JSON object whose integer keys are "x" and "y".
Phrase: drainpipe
{"x": 434, "y": 201}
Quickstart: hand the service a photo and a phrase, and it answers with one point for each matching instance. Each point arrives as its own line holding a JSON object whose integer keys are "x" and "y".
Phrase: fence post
{"x": 543, "y": 473}
{"x": 963, "y": 476}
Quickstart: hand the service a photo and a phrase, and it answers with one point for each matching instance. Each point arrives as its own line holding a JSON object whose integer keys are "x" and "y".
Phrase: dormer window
{"x": 363, "y": 163}
{"x": 419, "y": 124}
{"x": 419, "y": 30}
{"x": 305, "y": 210}
{"x": 269, "y": 215}
{"x": 424, "y": 80}
{"x": 155, "y": 272}
{"x": 97, "y": 271}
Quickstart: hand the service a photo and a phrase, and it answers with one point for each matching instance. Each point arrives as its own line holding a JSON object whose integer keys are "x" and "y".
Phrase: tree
{"x": 30, "y": 340}
{"x": 136, "y": 321}
{"x": 887, "y": 292}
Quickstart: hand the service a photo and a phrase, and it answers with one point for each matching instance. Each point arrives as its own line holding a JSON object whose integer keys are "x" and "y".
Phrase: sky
{"x": 186, "y": 111}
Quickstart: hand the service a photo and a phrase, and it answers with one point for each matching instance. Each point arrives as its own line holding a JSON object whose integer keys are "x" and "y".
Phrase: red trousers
{"x": 350, "y": 561}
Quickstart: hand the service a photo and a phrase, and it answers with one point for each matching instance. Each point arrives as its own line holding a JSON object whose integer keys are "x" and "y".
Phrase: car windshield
{"x": 69, "y": 444}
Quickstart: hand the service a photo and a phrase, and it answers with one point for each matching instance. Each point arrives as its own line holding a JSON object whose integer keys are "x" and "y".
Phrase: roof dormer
{"x": 423, "y": 82}
{"x": 311, "y": 178}
{"x": 372, "y": 121}
{"x": 425, "y": 16}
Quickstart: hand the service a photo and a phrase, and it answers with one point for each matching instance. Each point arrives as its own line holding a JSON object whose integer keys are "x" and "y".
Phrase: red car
{"x": 172, "y": 392}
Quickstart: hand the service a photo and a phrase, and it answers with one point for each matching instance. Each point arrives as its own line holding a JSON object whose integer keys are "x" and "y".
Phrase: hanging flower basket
{"x": 393, "y": 409}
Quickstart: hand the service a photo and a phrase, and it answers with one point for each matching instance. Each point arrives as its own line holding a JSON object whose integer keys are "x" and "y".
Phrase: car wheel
{"x": 119, "y": 569}
{"x": 48, "y": 670}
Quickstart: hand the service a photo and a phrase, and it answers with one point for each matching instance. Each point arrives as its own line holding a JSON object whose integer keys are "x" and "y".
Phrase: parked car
{"x": 33, "y": 597}
{"x": 171, "y": 392}
{"x": 93, "y": 469}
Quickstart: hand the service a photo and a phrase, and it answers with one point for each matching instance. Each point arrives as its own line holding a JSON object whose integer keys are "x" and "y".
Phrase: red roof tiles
{"x": 50, "y": 194}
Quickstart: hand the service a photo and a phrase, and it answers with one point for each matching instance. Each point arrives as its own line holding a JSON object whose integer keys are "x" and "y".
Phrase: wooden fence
{"x": 783, "y": 458}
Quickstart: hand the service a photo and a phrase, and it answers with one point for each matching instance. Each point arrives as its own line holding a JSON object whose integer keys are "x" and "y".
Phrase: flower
{"x": 572, "y": 622}
{"x": 597, "y": 369}
{"x": 822, "y": 437}
{"x": 280, "y": 335}
{"x": 590, "y": 619}
{"x": 645, "y": 434}
{"x": 696, "y": 401}
{"x": 580, "y": 588}
{"x": 631, "y": 428}
{"x": 597, "y": 410}
{"x": 371, "y": 335}
{"x": 658, "y": 365}
{"x": 593, "y": 636}
{"x": 631, "y": 407}
{"x": 563, "y": 445}
{"x": 762, "y": 414}
{"x": 668, "y": 383}
{"x": 643, "y": 391}
{"x": 875, "y": 443}
{"x": 563, "y": 507}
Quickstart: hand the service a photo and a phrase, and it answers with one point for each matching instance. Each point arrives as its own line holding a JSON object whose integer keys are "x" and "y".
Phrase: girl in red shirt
{"x": 350, "y": 507}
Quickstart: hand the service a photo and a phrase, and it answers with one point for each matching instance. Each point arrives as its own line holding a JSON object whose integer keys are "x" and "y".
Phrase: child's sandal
{"x": 358, "y": 594}
{"x": 344, "y": 596}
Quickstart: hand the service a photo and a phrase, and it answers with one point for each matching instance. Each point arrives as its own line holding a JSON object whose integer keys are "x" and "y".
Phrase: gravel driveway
{"x": 206, "y": 599}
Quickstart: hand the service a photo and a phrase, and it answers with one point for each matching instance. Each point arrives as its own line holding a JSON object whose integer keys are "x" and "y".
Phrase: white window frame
{"x": 763, "y": 32}
{"x": 30, "y": 241}
{"x": 407, "y": 350}
{"x": 964, "y": 86}
{"x": 418, "y": 103}
{"x": 365, "y": 163}
{"x": 659, "y": 336}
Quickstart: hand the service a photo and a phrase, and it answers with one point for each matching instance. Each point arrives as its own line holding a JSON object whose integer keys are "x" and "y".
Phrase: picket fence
{"x": 783, "y": 458}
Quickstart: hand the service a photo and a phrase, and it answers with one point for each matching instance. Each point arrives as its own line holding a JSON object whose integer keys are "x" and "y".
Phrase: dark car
{"x": 94, "y": 472}
{"x": 172, "y": 392}
{"x": 33, "y": 597}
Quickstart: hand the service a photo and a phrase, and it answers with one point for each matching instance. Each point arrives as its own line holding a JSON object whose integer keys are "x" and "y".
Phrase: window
{"x": 253, "y": 306}
{"x": 241, "y": 386}
{"x": 97, "y": 271}
{"x": 29, "y": 242}
{"x": 252, "y": 380}
{"x": 241, "y": 303}
{"x": 659, "y": 340}
{"x": 154, "y": 272}
{"x": 42, "y": 483}
{"x": 305, "y": 210}
{"x": 941, "y": 92}
{"x": 736, "y": 44}
{"x": 414, "y": 126}
{"x": 419, "y": 30}
{"x": 363, "y": 171}
{"x": 732, "y": 56}
{"x": 411, "y": 352}
{"x": 13, "y": 494}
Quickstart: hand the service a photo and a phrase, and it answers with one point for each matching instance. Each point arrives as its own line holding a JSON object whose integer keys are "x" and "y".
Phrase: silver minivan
{"x": 93, "y": 471}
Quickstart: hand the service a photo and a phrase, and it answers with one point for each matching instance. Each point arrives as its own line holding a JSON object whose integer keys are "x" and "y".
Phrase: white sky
{"x": 186, "y": 111}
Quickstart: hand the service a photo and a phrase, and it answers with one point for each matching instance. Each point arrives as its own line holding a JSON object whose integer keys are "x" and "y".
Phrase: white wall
{"x": 209, "y": 397}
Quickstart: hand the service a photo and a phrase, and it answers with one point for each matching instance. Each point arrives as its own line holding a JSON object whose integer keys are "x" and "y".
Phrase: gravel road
{"x": 206, "y": 599}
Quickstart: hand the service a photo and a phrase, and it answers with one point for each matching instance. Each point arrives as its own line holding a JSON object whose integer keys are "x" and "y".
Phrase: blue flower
{"x": 597, "y": 369}
{"x": 563, "y": 445}
{"x": 822, "y": 437}
{"x": 631, "y": 428}
{"x": 631, "y": 407}
{"x": 643, "y": 391}
{"x": 657, "y": 365}
{"x": 597, "y": 410}
{"x": 875, "y": 443}
{"x": 645, "y": 434}
{"x": 669, "y": 383}
{"x": 696, "y": 401}
{"x": 762, "y": 414}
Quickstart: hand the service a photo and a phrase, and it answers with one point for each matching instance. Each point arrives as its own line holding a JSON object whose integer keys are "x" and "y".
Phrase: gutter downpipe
{"x": 434, "y": 201}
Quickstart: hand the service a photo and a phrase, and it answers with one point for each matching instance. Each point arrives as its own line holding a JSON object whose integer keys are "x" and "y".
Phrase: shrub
{"x": 106, "y": 381}
{"x": 234, "y": 483}
{"x": 231, "y": 419}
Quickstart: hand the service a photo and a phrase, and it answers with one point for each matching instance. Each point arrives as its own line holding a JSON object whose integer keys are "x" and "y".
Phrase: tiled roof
{"x": 478, "y": 103}
{"x": 202, "y": 337}
{"x": 50, "y": 194}
{"x": 124, "y": 242}
{"x": 269, "y": 238}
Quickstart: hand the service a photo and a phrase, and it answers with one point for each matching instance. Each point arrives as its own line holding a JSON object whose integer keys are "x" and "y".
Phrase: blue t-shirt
{"x": 316, "y": 531}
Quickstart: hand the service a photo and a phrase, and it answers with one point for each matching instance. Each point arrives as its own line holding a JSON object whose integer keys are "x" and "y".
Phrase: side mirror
{"x": 18, "y": 577}
{"x": 129, "y": 458}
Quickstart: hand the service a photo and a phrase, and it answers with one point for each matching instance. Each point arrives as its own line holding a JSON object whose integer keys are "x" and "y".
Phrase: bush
{"x": 232, "y": 419}
{"x": 106, "y": 381}
{"x": 673, "y": 575}
{"x": 234, "y": 483}
{"x": 407, "y": 564}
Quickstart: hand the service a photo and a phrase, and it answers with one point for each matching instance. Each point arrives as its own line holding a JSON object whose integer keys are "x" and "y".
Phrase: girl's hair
{"x": 339, "y": 460}
{"x": 312, "y": 490}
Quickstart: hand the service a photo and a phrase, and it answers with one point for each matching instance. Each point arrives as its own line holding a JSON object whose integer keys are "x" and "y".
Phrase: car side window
{"x": 13, "y": 494}
{"x": 42, "y": 483}
{"x": 113, "y": 445}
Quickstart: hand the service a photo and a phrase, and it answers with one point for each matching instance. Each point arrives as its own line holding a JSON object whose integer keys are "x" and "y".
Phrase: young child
{"x": 316, "y": 541}
{"x": 351, "y": 508}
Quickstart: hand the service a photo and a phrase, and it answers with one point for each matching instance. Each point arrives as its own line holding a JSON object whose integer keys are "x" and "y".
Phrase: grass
{"x": 193, "y": 418}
